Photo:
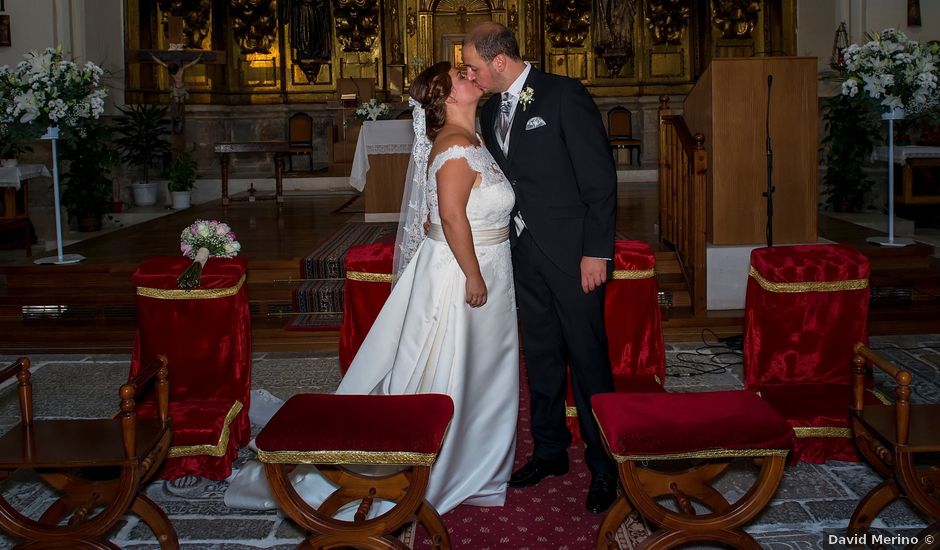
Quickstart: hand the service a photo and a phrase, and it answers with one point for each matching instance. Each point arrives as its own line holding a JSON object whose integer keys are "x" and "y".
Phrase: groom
{"x": 547, "y": 136}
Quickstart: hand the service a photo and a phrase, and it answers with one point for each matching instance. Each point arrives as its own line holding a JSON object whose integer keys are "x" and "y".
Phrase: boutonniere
{"x": 526, "y": 96}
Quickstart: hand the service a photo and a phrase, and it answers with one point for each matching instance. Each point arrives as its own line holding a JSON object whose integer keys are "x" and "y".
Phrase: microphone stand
{"x": 770, "y": 169}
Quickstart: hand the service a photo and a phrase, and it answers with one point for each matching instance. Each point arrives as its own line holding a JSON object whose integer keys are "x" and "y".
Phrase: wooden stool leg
{"x": 723, "y": 526}
{"x": 431, "y": 520}
{"x": 927, "y": 539}
{"x": 157, "y": 520}
{"x": 872, "y": 504}
{"x": 617, "y": 514}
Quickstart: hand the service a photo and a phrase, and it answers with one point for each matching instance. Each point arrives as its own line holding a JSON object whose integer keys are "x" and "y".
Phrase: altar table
{"x": 279, "y": 148}
{"x": 15, "y": 213}
{"x": 911, "y": 157}
{"x": 380, "y": 165}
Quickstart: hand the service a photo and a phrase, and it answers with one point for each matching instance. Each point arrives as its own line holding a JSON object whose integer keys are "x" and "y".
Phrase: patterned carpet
{"x": 813, "y": 501}
{"x": 320, "y": 297}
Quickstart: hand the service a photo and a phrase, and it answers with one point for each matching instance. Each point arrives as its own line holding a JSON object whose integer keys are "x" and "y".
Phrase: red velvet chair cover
{"x": 633, "y": 324}
{"x": 806, "y": 307}
{"x": 363, "y": 429}
{"x": 687, "y": 425}
{"x": 206, "y": 336}
{"x": 367, "y": 287}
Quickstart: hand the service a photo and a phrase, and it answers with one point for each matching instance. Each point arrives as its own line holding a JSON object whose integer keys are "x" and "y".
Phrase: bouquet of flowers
{"x": 894, "y": 72}
{"x": 373, "y": 110}
{"x": 201, "y": 239}
{"x": 46, "y": 90}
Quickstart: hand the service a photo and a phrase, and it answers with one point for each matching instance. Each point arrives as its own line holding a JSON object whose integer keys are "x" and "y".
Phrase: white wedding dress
{"x": 427, "y": 339}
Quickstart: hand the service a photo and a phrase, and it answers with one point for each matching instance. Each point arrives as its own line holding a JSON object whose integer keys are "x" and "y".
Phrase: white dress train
{"x": 427, "y": 339}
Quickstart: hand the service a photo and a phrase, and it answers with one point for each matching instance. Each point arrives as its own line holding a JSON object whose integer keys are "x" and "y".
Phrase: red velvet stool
{"x": 634, "y": 326}
{"x": 334, "y": 430}
{"x": 368, "y": 284}
{"x": 806, "y": 307}
{"x": 708, "y": 429}
{"x": 206, "y": 335}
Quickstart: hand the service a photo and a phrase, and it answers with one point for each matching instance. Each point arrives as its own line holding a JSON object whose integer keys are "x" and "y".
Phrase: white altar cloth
{"x": 380, "y": 137}
{"x": 11, "y": 176}
{"x": 902, "y": 153}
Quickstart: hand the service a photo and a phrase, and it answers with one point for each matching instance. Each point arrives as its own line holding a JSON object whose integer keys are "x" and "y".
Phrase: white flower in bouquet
{"x": 47, "y": 90}
{"x": 201, "y": 239}
{"x": 894, "y": 72}
{"x": 373, "y": 110}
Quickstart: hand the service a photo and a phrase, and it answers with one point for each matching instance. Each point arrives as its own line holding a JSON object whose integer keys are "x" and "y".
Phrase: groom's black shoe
{"x": 537, "y": 469}
{"x": 602, "y": 494}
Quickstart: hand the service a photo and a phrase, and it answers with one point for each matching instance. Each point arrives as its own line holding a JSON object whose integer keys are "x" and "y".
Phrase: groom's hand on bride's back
{"x": 593, "y": 273}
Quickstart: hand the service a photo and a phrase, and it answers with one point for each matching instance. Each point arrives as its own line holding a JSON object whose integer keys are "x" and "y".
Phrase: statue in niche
{"x": 613, "y": 26}
{"x": 667, "y": 20}
{"x": 310, "y": 28}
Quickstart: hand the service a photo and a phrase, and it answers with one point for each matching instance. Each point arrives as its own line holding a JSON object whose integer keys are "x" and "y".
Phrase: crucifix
{"x": 176, "y": 62}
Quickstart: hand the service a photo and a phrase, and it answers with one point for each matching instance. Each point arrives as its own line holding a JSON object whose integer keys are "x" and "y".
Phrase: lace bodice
{"x": 491, "y": 202}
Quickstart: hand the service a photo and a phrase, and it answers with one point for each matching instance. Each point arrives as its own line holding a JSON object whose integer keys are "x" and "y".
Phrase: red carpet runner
{"x": 549, "y": 515}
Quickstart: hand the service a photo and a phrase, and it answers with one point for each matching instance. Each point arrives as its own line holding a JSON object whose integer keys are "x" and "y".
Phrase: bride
{"x": 449, "y": 325}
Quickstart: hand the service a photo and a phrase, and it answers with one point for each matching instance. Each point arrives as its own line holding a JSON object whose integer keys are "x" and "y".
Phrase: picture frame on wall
{"x": 5, "y": 31}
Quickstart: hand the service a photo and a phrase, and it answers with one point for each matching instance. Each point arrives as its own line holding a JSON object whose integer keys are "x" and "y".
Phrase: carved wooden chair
{"x": 97, "y": 465}
{"x": 674, "y": 445}
{"x": 336, "y": 431}
{"x": 901, "y": 442}
{"x": 620, "y": 133}
{"x": 300, "y": 138}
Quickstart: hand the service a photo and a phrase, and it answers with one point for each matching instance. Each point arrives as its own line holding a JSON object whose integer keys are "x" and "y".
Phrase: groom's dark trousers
{"x": 563, "y": 175}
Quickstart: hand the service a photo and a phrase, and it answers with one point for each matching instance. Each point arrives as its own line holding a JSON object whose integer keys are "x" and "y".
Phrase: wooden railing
{"x": 683, "y": 166}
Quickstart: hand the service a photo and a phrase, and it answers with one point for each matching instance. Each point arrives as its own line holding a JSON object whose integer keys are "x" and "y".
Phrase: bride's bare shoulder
{"x": 450, "y": 138}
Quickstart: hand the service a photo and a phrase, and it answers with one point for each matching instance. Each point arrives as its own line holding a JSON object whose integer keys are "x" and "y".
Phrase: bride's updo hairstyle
{"x": 431, "y": 89}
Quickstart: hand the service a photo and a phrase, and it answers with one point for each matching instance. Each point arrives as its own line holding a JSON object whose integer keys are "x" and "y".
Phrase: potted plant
{"x": 86, "y": 183}
{"x": 141, "y": 138}
{"x": 850, "y": 134}
{"x": 182, "y": 174}
{"x": 15, "y": 139}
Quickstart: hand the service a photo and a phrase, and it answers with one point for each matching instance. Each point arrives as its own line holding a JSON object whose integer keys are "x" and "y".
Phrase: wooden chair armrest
{"x": 20, "y": 368}
{"x": 863, "y": 356}
{"x": 130, "y": 391}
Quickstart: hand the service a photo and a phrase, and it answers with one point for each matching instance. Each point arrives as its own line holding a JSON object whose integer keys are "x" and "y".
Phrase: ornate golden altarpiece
{"x": 295, "y": 51}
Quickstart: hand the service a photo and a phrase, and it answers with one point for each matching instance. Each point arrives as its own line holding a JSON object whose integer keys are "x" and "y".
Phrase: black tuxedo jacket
{"x": 562, "y": 171}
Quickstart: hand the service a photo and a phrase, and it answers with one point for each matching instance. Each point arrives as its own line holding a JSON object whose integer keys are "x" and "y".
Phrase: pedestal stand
{"x": 52, "y": 134}
{"x": 890, "y": 239}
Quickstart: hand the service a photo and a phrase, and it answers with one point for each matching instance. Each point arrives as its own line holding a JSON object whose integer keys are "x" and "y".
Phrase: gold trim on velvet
{"x": 827, "y": 286}
{"x": 809, "y": 431}
{"x": 367, "y": 277}
{"x": 632, "y": 274}
{"x": 396, "y": 458}
{"x": 211, "y": 450}
{"x": 881, "y": 397}
{"x": 571, "y": 411}
{"x": 195, "y": 294}
{"x": 711, "y": 453}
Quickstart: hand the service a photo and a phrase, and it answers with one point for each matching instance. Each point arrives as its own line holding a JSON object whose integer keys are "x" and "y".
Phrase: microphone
{"x": 770, "y": 168}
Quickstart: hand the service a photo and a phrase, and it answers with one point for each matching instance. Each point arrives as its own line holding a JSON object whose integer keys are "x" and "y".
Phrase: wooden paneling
{"x": 728, "y": 106}
{"x": 385, "y": 183}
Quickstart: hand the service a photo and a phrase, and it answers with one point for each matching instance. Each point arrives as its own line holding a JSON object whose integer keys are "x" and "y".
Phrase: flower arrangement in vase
{"x": 896, "y": 74}
{"x": 372, "y": 110}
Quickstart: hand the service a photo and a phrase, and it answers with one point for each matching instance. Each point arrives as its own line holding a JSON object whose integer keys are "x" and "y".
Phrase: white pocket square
{"x": 534, "y": 122}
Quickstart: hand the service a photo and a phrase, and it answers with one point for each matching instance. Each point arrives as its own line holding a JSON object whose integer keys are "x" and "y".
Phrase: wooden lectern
{"x": 728, "y": 106}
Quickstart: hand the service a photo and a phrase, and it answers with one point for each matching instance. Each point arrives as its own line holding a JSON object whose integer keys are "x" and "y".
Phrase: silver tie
{"x": 505, "y": 109}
